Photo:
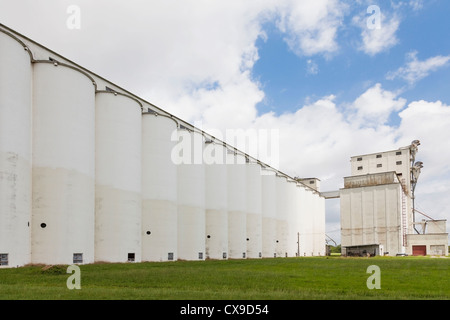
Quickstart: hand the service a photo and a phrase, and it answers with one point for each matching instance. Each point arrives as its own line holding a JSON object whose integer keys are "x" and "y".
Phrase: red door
{"x": 419, "y": 250}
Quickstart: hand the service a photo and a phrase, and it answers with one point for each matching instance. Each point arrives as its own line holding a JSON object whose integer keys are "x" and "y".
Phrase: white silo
{"x": 301, "y": 218}
{"x": 254, "y": 210}
{"x": 216, "y": 220}
{"x": 159, "y": 189}
{"x": 281, "y": 216}
{"x": 63, "y": 165}
{"x": 187, "y": 154}
{"x": 307, "y": 211}
{"x": 237, "y": 205}
{"x": 319, "y": 225}
{"x": 118, "y": 192}
{"x": 268, "y": 212}
{"x": 15, "y": 152}
{"x": 292, "y": 218}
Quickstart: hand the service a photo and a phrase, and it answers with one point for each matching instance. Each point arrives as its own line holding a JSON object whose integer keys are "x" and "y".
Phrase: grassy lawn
{"x": 321, "y": 278}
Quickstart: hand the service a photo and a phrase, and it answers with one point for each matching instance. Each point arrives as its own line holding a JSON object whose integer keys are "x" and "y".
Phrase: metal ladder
{"x": 404, "y": 221}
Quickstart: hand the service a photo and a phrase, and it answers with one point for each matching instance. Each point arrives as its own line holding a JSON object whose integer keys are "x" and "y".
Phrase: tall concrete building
{"x": 378, "y": 214}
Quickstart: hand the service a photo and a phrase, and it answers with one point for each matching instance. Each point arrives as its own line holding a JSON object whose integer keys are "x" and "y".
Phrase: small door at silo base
{"x": 419, "y": 250}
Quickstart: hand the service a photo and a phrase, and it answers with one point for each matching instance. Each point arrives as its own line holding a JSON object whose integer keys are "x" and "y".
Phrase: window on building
{"x": 360, "y": 168}
{"x": 379, "y": 165}
{"x": 379, "y": 155}
{"x": 170, "y": 256}
{"x": 77, "y": 258}
{"x": 3, "y": 259}
{"x": 200, "y": 255}
{"x": 398, "y": 153}
{"x": 311, "y": 182}
{"x": 131, "y": 257}
{"x": 359, "y": 159}
{"x": 398, "y": 163}
{"x": 224, "y": 255}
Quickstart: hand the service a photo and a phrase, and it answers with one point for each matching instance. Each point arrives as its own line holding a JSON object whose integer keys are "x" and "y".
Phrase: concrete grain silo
{"x": 301, "y": 219}
{"x": 268, "y": 213}
{"x": 307, "y": 216}
{"x": 216, "y": 201}
{"x": 254, "y": 210}
{"x": 191, "y": 195}
{"x": 237, "y": 205}
{"x": 118, "y": 193}
{"x": 281, "y": 215}
{"x": 292, "y": 218}
{"x": 159, "y": 189}
{"x": 319, "y": 225}
{"x": 63, "y": 164}
{"x": 15, "y": 152}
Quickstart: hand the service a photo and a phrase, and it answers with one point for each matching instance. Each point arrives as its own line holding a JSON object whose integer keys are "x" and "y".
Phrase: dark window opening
{"x": 170, "y": 256}
{"x": 131, "y": 257}
{"x": 77, "y": 258}
{"x": 200, "y": 255}
{"x": 399, "y": 163}
{"x": 379, "y": 165}
{"x": 43, "y": 225}
{"x": 359, "y": 159}
{"x": 379, "y": 155}
{"x": 3, "y": 259}
{"x": 360, "y": 168}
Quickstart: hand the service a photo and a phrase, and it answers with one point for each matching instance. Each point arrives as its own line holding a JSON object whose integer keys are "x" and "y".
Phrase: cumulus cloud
{"x": 311, "y": 26}
{"x": 415, "y": 70}
{"x": 374, "y": 107}
{"x": 377, "y": 39}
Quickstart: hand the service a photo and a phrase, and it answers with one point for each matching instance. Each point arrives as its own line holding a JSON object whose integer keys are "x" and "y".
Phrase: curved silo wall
{"x": 307, "y": 215}
{"x": 63, "y": 165}
{"x": 159, "y": 189}
{"x": 118, "y": 193}
{"x": 292, "y": 215}
{"x": 319, "y": 225}
{"x": 254, "y": 210}
{"x": 237, "y": 205}
{"x": 216, "y": 219}
{"x": 15, "y": 151}
{"x": 301, "y": 218}
{"x": 191, "y": 195}
{"x": 281, "y": 216}
{"x": 268, "y": 213}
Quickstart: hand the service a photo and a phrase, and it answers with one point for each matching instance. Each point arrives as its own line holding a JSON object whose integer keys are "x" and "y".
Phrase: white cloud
{"x": 374, "y": 107}
{"x": 376, "y": 40}
{"x": 311, "y": 67}
{"x": 415, "y": 70}
{"x": 311, "y": 26}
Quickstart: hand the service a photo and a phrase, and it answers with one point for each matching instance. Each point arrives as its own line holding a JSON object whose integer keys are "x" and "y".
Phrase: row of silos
{"x": 86, "y": 176}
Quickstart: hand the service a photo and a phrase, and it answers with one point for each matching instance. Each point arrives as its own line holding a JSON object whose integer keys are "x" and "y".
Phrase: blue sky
{"x": 289, "y": 79}
{"x": 310, "y": 69}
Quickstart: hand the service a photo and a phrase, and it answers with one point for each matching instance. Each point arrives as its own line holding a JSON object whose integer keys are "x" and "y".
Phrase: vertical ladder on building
{"x": 404, "y": 209}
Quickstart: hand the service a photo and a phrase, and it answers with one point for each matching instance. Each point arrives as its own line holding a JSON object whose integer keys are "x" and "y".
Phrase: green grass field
{"x": 321, "y": 278}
